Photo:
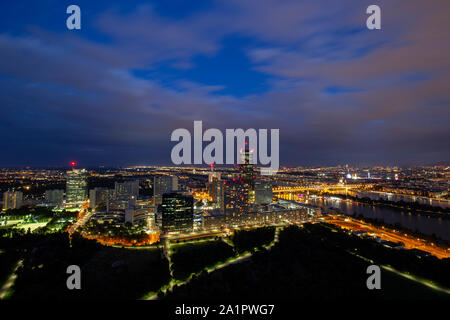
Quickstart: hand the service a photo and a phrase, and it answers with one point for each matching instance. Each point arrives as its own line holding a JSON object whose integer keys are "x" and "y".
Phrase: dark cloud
{"x": 65, "y": 96}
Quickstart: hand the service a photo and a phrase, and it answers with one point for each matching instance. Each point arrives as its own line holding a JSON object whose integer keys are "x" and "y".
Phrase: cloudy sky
{"x": 112, "y": 92}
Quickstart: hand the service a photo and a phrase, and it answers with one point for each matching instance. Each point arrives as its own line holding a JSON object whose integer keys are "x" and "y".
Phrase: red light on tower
{"x": 73, "y": 163}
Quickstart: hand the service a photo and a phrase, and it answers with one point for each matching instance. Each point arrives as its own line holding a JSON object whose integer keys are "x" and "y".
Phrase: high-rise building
{"x": 76, "y": 185}
{"x": 99, "y": 196}
{"x": 12, "y": 199}
{"x": 177, "y": 212}
{"x": 126, "y": 189}
{"x": 247, "y": 174}
{"x": 216, "y": 191}
{"x": 163, "y": 184}
{"x": 215, "y": 188}
{"x": 246, "y": 167}
{"x": 54, "y": 197}
{"x": 263, "y": 192}
{"x": 236, "y": 193}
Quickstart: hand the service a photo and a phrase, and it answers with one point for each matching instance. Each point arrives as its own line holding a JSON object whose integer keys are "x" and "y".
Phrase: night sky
{"x": 111, "y": 93}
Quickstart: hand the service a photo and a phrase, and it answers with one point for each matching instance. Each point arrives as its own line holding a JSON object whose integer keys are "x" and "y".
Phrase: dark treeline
{"x": 314, "y": 263}
{"x": 106, "y": 272}
{"x": 245, "y": 240}
{"x": 318, "y": 261}
{"x": 191, "y": 258}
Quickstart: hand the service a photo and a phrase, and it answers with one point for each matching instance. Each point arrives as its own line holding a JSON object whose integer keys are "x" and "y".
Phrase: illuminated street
{"x": 409, "y": 242}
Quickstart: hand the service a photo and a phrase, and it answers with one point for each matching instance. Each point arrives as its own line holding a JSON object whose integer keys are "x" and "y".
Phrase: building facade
{"x": 126, "y": 189}
{"x": 76, "y": 185}
{"x": 163, "y": 184}
{"x": 99, "y": 196}
{"x": 216, "y": 191}
{"x": 54, "y": 197}
{"x": 12, "y": 200}
{"x": 177, "y": 212}
{"x": 236, "y": 197}
{"x": 263, "y": 192}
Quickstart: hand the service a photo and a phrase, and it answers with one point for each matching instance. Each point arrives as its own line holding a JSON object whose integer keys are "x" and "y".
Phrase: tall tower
{"x": 177, "y": 212}
{"x": 247, "y": 174}
{"x": 236, "y": 197}
{"x": 246, "y": 167}
{"x": 76, "y": 185}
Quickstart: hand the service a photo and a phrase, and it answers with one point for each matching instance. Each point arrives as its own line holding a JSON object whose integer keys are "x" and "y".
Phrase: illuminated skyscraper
{"x": 236, "y": 194}
{"x": 216, "y": 191}
{"x": 76, "y": 185}
{"x": 177, "y": 212}
{"x": 247, "y": 173}
{"x": 246, "y": 167}
{"x": 215, "y": 188}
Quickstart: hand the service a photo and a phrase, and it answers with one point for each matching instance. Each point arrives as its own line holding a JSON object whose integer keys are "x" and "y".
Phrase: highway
{"x": 384, "y": 233}
{"x": 83, "y": 217}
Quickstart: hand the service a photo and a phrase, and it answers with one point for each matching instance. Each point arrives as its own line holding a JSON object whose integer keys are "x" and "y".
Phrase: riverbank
{"x": 413, "y": 208}
{"x": 415, "y": 222}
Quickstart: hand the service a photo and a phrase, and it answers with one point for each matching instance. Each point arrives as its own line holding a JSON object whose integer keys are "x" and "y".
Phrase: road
{"x": 409, "y": 241}
{"x": 83, "y": 217}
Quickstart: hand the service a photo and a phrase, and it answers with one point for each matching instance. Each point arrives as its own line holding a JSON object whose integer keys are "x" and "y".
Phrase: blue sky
{"x": 112, "y": 92}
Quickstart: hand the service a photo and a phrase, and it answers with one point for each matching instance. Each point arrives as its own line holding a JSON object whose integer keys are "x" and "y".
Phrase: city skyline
{"x": 199, "y": 154}
{"x": 111, "y": 93}
{"x": 153, "y": 233}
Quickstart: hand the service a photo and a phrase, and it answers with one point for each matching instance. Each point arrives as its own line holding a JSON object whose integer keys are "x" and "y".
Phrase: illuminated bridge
{"x": 319, "y": 188}
{"x": 293, "y": 192}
